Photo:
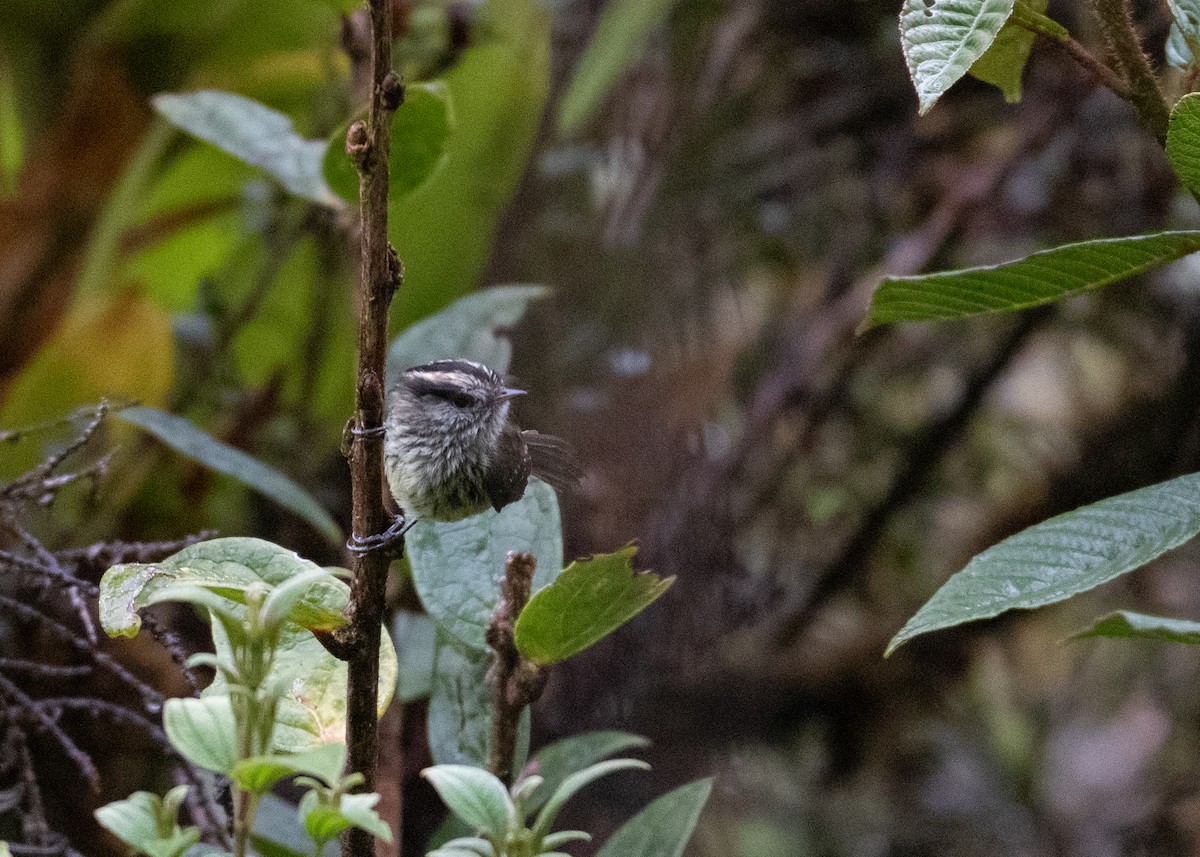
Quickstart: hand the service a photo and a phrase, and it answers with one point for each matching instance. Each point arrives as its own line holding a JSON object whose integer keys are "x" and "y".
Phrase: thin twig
{"x": 21, "y": 703}
{"x": 369, "y": 144}
{"x": 515, "y": 682}
{"x": 1116, "y": 20}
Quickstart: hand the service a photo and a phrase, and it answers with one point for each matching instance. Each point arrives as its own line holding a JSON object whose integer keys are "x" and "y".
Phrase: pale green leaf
{"x": 621, "y": 35}
{"x": 559, "y": 760}
{"x": 1187, "y": 18}
{"x": 472, "y": 328}
{"x": 1003, "y": 64}
{"x": 226, "y": 566}
{"x": 185, "y": 437}
{"x": 1036, "y": 280}
{"x": 1177, "y": 50}
{"x": 589, "y": 600}
{"x": 942, "y": 39}
{"x": 1124, "y": 623}
{"x": 136, "y": 822}
{"x": 259, "y": 773}
{"x": 457, "y": 566}
{"x": 415, "y": 635}
{"x": 474, "y": 795}
{"x": 203, "y": 730}
{"x": 664, "y": 827}
{"x": 253, "y": 132}
{"x": 1066, "y": 555}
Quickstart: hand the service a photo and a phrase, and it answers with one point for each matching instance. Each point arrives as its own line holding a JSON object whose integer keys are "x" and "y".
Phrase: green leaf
{"x": 184, "y": 437}
{"x": 277, "y": 826}
{"x": 415, "y": 635}
{"x": 12, "y": 132}
{"x": 664, "y": 827}
{"x": 420, "y": 129}
{"x": 472, "y": 844}
{"x": 139, "y": 822}
{"x": 444, "y": 230}
{"x": 475, "y": 796}
{"x": 942, "y": 39}
{"x": 621, "y": 36}
{"x": 457, "y": 566}
{"x": 1124, "y": 623}
{"x": 1038, "y": 279}
{"x": 557, "y": 761}
{"x": 227, "y": 566}
{"x": 472, "y": 328}
{"x": 1066, "y": 555}
{"x": 314, "y": 708}
{"x": 589, "y": 600}
{"x": 253, "y": 132}
{"x": 1187, "y": 19}
{"x": 259, "y": 773}
{"x": 324, "y": 822}
{"x": 1183, "y": 141}
{"x": 574, "y": 783}
{"x": 1003, "y": 64}
{"x": 203, "y": 730}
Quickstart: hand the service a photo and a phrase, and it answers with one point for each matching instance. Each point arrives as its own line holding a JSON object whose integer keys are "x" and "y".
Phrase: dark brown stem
{"x": 368, "y": 144}
{"x": 1116, "y": 20}
{"x": 515, "y": 682}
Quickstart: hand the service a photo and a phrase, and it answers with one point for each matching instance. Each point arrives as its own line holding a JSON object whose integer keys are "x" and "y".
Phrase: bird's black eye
{"x": 458, "y": 398}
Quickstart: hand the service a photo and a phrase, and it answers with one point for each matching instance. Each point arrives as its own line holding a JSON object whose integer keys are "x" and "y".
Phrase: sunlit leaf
{"x": 587, "y": 602}
{"x": 664, "y": 827}
{"x": 1124, "y": 623}
{"x": 1066, "y": 555}
{"x": 1036, "y": 280}
{"x": 942, "y": 39}
{"x": 136, "y": 822}
{"x": 620, "y": 38}
{"x": 185, "y": 437}
{"x": 253, "y": 132}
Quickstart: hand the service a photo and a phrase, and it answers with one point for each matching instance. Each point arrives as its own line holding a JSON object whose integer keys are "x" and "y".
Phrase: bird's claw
{"x": 389, "y": 540}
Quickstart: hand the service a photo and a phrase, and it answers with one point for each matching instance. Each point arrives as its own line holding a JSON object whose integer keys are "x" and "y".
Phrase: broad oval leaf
{"x": 472, "y": 328}
{"x": 1038, "y": 279}
{"x": 254, "y": 133}
{"x": 1066, "y": 555}
{"x": 420, "y": 129}
{"x": 460, "y": 707}
{"x": 203, "y": 730}
{"x": 1183, "y": 141}
{"x": 624, "y": 28}
{"x": 457, "y": 566}
{"x": 557, "y": 761}
{"x": 474, "y": 795}
{"x": 664, "y": 827}
{"x": 942, "y": 39}
{"x": 1124, "y": 623}
{"x": 589, "y": 600}
{"x": 185, "y": 437}
{"x": 415, "y": 637}
{"x": 226, "y": 566}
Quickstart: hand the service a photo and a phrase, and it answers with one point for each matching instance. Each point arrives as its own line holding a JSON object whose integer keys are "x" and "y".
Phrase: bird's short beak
{"x": 510, "y": 393}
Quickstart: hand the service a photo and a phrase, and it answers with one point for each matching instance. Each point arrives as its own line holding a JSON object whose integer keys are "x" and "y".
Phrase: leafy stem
{"x": 1043, "y": 25}
{"x": 1124, "y": 45}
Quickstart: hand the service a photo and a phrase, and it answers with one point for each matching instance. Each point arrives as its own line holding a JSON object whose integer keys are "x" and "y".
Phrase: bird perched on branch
{"x": 450, "y": 449}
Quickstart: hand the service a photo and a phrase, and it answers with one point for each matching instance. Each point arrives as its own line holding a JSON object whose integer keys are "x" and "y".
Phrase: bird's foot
{"x": 389, "y": 541}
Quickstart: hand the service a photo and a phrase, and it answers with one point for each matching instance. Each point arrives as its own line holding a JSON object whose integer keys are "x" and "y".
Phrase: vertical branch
{"x": 1116, "y": 20}
{"x": 515, "y": 682}
{"x": 368, "y": 144}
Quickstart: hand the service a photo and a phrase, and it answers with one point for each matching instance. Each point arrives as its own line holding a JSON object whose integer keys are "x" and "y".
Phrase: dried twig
{"x": 515, "y": 682}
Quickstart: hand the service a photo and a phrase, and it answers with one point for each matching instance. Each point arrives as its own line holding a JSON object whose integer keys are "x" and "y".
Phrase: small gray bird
{"x": 450, "y": 449}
